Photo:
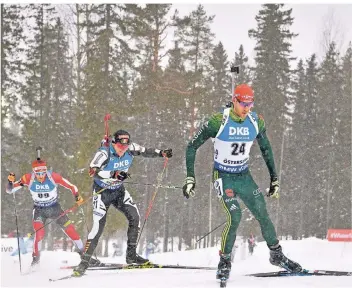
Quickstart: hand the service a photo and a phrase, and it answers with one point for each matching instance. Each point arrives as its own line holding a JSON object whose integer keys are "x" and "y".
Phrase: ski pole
{"x": 154, "y": 185}
{"x": 68, "y": 210}
{"x": 18, "y": 235}
{"x": 211, "y": 231}
{"x": 160, "y": 177}
{"x": 217, "y": 227}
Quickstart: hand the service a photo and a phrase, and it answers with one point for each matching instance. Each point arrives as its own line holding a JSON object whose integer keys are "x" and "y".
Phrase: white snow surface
{"x": 311, "y": 253}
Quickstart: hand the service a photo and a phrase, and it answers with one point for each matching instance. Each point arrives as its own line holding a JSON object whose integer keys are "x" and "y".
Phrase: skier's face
{"x": 40, "y": 175}
{"x": 121, "y": 144}
{"x": 242, "y": 108}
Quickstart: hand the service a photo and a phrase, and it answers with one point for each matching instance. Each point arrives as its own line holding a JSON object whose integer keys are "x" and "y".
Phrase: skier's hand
{"x": 274, "y": 188}
{"x": 120, "y": 175}
{"x": 79, "y": 200}
{"x": 188, "y": 187}
{"x": 92, "y": 171}
{"x": 11, "y": 178}
{"x": 166, "y": 153}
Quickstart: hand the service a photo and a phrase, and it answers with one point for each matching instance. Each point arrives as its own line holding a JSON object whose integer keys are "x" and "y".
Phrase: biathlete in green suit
{"x": 233, "y": 132}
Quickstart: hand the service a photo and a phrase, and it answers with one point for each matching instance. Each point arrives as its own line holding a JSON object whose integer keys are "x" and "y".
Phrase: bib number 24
{"x": 238, "y": 148}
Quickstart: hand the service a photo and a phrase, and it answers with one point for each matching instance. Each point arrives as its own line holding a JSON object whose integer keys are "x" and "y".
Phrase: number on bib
{"x": 237, "y": 149}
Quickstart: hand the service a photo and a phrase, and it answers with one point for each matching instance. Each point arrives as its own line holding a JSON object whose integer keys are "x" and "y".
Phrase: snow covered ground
{"x": 311, "y": 253}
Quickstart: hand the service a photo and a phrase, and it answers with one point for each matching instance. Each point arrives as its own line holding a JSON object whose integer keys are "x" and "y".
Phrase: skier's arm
{"x": 265, "y": 148}
{"x": 100, "y": 159}
{"x": 15, "y": 186}
{"x": 65, "y": 183}
{"x": 138, "y": 150}
{"x": 208, "y": 130}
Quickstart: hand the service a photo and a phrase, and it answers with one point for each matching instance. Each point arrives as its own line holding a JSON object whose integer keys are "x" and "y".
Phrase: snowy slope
{"x": 310, "y": 253}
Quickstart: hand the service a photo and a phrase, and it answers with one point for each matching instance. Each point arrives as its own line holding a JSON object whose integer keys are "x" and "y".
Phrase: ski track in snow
{"x": 311, "y": 253}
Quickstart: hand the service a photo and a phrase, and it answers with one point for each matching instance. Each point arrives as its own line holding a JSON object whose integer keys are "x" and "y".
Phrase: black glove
{"x": 274, "y": 188}
{"x": 188, "y": 187}
{"x": 120, "y": 175}
{"x": 166, "y": 153}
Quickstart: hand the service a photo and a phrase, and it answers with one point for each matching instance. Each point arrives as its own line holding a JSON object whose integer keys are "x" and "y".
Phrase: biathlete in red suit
{"x": 42, "y": 184}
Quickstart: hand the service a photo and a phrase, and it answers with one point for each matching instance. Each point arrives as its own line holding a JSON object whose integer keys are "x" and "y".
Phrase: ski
{"x": 64, "y": 278}
{"x": 304, "y": 272}
{"x": 116, "y": 266}
{"x": 101, "y": 265}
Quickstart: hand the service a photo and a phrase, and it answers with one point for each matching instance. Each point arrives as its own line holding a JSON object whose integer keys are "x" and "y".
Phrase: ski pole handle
{"x": 234, "y": 69}
{"x": 38, "y": 149}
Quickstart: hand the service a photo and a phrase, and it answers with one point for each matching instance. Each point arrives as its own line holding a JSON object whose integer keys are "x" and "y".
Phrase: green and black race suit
{"x": 233, "y": 138}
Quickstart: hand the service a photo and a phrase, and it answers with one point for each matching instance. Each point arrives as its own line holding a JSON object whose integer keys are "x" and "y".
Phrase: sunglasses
{"x": 123, "y": 141}
{"x": 246, "y": 104}
{"x": 40, "y": 173}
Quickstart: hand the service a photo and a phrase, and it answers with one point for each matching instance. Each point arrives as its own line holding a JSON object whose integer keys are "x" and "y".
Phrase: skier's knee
{"x": 236, "y": 217}
{"x": 40, "y": 231}
{"x": 133, "y": 223}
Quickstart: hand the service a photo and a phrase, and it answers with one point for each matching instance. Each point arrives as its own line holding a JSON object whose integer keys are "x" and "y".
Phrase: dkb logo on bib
{"x": 121, "y": 164}
{"x": 238, "y": 131}
{"x": 39, "y": 187}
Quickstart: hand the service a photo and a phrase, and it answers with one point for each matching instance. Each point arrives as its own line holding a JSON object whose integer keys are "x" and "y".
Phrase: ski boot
{"x": 35, "y": 261}
{"x": 81, "y": 268}
{"x": 133, "y": 258}
{"x": 277, "y": 258}
{"x": 224, "y": 266}
{"x": 93, "y": 262}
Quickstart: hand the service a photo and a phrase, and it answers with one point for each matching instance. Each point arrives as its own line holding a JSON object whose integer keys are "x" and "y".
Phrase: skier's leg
{"x": 38, "y": 222}
{"x": 224, "y": 189}
{"x": 65, "y": 223}
{"x": 254, "y": 200}
{"x": 126, "y": 205}
{"x": 101, "y": 205}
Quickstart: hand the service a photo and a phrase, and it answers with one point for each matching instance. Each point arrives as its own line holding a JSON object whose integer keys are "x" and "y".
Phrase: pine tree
{"x": 340, "y": 212}
{"x": 178, "y": 87}
{"x": 11, "y": 69}
{"x": 148, "y": 29}
{"x": 329, "y": 114}
{"x": 194, "y": 35}
{"x": 272, "y": 74}
{"x": 296, "y": 193}
{"x": 219, "y": 84}
{"x": 312, "y": 152}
